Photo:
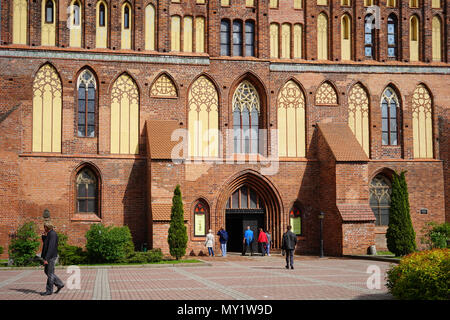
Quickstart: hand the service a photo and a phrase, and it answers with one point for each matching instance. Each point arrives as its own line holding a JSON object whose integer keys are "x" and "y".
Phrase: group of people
{"x": 264, "y": 241}
{"x": 288, "y": 244}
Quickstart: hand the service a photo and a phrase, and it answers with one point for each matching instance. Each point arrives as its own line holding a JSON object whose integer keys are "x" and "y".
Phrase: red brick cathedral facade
{"x": 266, "y": 113}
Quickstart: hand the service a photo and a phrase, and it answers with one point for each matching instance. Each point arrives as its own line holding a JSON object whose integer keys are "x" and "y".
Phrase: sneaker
{"x": 292, "y": 267}
{"x": 46, "y": 293}
{"x": 287, "y": 267}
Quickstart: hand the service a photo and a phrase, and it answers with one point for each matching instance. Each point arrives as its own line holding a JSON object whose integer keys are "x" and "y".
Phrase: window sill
{"x": 88, "y": 217}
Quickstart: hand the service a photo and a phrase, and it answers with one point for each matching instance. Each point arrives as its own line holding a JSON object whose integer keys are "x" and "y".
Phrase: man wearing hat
{"x": 49, "y": 255}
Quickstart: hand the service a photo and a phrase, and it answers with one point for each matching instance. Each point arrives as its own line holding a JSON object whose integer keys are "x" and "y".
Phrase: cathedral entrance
{"x": 244, "y": 208}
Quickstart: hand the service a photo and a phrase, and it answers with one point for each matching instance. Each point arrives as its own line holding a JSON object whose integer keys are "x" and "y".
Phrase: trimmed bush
{"x": 1, "y": 250}
{"x": 177, "y": 238}
{"x": 400, "y": 235}
{"x": 151, "y": 256}
{"x": 24, "y": 244}
{"x": 108, "y": 244}
{"x": 422, "y": 276}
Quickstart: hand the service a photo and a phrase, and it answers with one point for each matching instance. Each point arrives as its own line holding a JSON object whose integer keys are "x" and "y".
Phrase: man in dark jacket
{"x": 223, "y": 238}
{"x": 288, "y": 244}
{"x": 49, "y": 255}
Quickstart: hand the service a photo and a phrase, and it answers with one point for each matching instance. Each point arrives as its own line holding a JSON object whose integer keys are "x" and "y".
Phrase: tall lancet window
{"x": 86, "y": 104}
{"x": 246, "y": 112}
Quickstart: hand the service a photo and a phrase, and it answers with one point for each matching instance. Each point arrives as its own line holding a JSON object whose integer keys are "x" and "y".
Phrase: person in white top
{"x": 209, "y": 243}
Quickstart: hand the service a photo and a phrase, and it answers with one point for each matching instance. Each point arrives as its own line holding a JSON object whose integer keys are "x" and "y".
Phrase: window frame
{"x": 379, "y": 207}
{"x": 47, "y": 11}
{"x": 372, "y": 44}
{"x": 86, "y": 105}
{"x": 227, "y": 34}
{"x": 96, "y": 198}
{"x": 204, "y": 205}
{"x": 389, "y": 118}
{"x": 392, "y": 20}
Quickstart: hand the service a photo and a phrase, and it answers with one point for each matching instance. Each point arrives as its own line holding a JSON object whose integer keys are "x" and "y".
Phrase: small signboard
{"x": 424, "y": 211}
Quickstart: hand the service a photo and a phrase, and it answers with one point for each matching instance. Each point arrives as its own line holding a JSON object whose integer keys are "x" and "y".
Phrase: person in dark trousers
{"x": 49, "y": 255}
{"x": 288, "y": 245}
{"x": 223, "y": 239}
{"x": 248, "y": 241}
{"x": 262, "y": 241}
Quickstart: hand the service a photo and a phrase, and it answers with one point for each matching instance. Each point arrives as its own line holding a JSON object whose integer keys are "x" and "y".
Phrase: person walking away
{"x": 248, "y": 241}
{"x": 269, "y": 242}
{"x": 49, "y": 255}
{"x": 288, "y": 244}
{"x": 262, "y": 241}
{"x": 209, "y": 243}
{"x": 223, "y": 239}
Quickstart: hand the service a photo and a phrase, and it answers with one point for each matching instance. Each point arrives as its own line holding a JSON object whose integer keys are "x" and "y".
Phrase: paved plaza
{"x": 230, "y": 278}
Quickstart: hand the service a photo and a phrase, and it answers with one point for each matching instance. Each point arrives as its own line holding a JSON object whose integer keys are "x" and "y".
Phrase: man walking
{"x": 288, "y": 245}
{"x": 248, "y": 241}
{"x": 223, "y": 239}
{"x": 49, "y": 255}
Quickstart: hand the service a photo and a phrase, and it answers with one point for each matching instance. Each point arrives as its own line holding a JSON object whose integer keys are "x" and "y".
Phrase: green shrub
{"x": 177, "y": 237}
{"x": 108, "y": 244}
{"x": 72, "y": 255}
{"x": 436, "y": 235}
{"x": 24, "y": 244}
{"x": 150, "y": 256}
{"x": 422, "y": 276}
{"x": 68, "y": 254}
{"x": 1, "y": 250}
{"x": 400, "y": 235}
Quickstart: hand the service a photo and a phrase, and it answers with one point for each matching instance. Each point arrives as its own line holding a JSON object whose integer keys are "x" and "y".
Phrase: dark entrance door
{"x": 244, "y": 208}
{"x": 236, "y": 224}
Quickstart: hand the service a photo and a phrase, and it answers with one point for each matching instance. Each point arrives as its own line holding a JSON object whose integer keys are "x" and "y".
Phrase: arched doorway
{"x": 263, "y": 208}
{"x": 244, "y": 208}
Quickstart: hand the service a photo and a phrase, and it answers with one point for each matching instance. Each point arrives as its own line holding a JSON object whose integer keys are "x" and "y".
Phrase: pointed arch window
{"x": 326, "y": 94}
{"x": 47, "y": 110}
{"x": 358, "y": 115}
{"x": 291, "y": 121}
{"x": 380, "y": 199}
{"x": 87, "y": 192}
{"x": 125, "y": 116}
{"x": 86, "y": 104}
{"x": 201, "y": 217}
{"x": 126, "y": 26}
{"x": 422, "y": 118}
{"x": 203, "y": 102}
{"x": 245, "y": 198}
{"x": 295, "y": 220}
{"x": 246, "y": 112}
{"x": 392, "y": 36}
{"x": 369, "y": 36}
{"x": 163, "y": 87}
{"x": 390, "y": 118}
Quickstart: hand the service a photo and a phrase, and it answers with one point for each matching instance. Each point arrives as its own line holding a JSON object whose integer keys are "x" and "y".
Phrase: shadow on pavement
{"x": 26, "y": 291}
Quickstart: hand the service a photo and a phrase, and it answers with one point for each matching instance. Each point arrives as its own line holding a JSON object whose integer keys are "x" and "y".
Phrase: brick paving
{"x": 230, "y": 278}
